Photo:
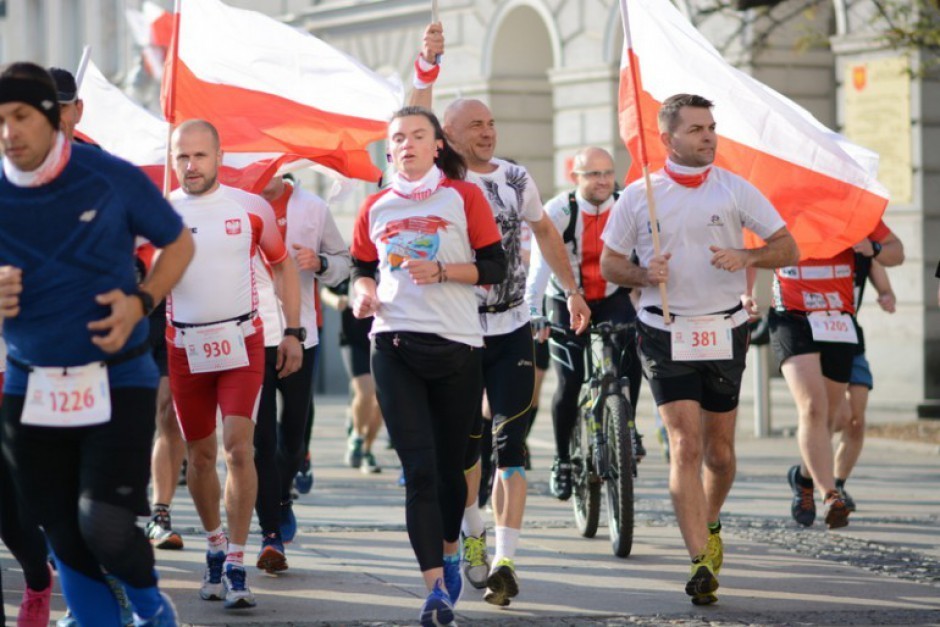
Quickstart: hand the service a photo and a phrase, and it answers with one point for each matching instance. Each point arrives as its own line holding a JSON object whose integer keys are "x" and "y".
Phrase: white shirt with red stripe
{"x": 447, "y": 226}
{"x": 821, "y": 284}
{"x": 585, "y": 258}
{"x": 691, "y": 219}
{"x": 228, "y": 227}
{"x": 513, "y": 199}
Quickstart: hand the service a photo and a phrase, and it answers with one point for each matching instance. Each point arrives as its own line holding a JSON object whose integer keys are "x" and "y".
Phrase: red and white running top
{"x": 447, "y": 226}
{"x": 228, "y": 226}
{"x": 821, "y": 284}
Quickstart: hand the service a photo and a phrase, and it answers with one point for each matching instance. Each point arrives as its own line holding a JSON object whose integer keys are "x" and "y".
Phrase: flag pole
{"x": 644, "y": 157}
{"x": 82, "y": 66}
{"x": 169, "y": 104}
{"x": 435, "y": 18}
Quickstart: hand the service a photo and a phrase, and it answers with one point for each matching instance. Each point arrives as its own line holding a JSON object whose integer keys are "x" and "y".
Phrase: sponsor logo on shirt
{"x": 716, "y": 220}
{"x": 814, "y": 300}
{"x": 843, "y": 271}
{"x": 649, "y": 227}
{"x": 834, "y": 299}
{"x": 789, "y": 272}
{"x": 88, "y": 216}
{"x": 233, "y": 227}
{"x": 282, "y": 221}
{"x": 818, "y": 272}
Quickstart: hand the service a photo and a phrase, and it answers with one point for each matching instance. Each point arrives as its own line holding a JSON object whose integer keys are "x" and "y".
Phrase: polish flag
{"x": 151, "y": 29}
{"x": 269, "y": 87}
{"x": 127, "y": 130}
{"x": 824, "y": 186}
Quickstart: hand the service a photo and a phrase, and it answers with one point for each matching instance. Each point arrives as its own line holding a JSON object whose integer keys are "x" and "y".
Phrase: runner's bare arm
{"x": 432, "y": 46}
{"x": 365, "y": 300}
{"x": 879, "y": 278}
{"x": 552, "y": 247}
{"x": 11, "y": 285}
{"x": 287, "y": 286}
{"x": 620, "y": 270}
{"x": 779, "y": 250}
{"x": 892, "y": 250}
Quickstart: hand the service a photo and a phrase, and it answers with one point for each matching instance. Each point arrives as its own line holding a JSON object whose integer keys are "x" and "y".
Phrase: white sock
{"x": 217, "y": 540}
{"x": 235, "y": 555}
{"x": 506, "y": 540}
{"x": 472, "y": 524}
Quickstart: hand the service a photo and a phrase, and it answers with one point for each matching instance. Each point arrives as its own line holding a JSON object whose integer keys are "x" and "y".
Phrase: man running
{"x": 508, "y": 369}
{"x": 78, "y": 449}
{"x": 694, "y": 362}
{"x": 215, "y": 342}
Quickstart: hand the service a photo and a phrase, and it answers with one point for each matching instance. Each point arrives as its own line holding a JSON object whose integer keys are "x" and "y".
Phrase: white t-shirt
{"x": 447, "y": 226}
{"x": 514, "y": 199}
{"x": 691, "y": 219}
{"x": 228, "y": 226}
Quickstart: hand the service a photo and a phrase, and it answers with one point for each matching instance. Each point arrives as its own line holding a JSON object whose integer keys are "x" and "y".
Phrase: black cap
{"x": 66, "y": 89}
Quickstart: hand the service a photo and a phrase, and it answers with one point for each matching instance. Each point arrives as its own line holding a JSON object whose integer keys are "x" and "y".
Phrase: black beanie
{"x": 33, "y": 85}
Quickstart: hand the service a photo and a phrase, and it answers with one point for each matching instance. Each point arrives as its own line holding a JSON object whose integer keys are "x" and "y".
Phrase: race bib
{"x": 215, "y": 347}
{"x": 833, "y": 327}
{"x": 701, "y": 338}
{"x": 67, "y": 397}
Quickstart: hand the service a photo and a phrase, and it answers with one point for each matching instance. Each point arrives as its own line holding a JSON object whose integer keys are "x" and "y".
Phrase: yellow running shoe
{"x": 703, "y": 583}
{"x": 714, "y": 549}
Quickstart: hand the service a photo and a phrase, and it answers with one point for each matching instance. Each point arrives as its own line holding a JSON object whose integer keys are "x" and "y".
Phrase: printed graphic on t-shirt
{"x": 412, "y": 238}
{"x": 509, "y": 220}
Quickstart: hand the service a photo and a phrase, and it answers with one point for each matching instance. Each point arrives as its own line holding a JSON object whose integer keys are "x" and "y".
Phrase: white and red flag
{"x": 127, "y": 130}
{"x": 152, "y": 29}
{"x": 824, "y": 186}
{"x": 268, "y": 87}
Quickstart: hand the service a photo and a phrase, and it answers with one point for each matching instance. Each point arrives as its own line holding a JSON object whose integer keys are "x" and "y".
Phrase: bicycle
{"x": 604, "y": 440}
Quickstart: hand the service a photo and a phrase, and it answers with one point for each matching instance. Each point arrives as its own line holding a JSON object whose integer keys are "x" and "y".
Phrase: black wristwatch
{"x": 299, "y": 332}
{"x": 146, "y": 299}
{"x": 876, "y": 249}
{"x": 324, "y": 264}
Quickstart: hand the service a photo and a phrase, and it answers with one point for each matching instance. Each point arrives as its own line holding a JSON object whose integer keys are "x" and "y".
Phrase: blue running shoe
{"x": 271, "y": 558}
{"x": 68, "y": 620}
{"x": 437, "y": 610}
{"x": 453, "y": 578}
{"x": 237, "y": 594}
{"x": 288, "y": 522}
{"x": 303, "y": 480}
{"x": 212, "y": 579}
{"x": 165, "y": 616}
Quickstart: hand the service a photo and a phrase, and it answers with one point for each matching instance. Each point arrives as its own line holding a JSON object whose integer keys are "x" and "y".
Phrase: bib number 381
{"x": 215, "y": 347}
{"x": 67, "y": 397}
{"x": 701, "y": 338}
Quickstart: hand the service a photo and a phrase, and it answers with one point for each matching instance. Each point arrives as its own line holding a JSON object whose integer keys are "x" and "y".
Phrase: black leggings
{"x": 615, "y": 308}
{"x": 86, "y": 485}
{"x": 279, "y": 440}
{"x": 429, "y": 390}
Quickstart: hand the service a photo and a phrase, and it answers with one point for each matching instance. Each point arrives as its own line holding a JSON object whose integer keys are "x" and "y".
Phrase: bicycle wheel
{"x": 617, "y": 414}
{"x": 585, "y": 487}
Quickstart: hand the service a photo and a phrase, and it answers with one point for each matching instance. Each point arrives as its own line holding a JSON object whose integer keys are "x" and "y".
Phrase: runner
{"x": 815, "y": 338}
{"x": 694, "y": 362}
{"x": 215, "y": 343}
{"x": 74, "y": 329}
{"x": 308, "y": 229}
{"x": 581, "y": 216}
{"x": 509, "y": 373}
{"x": 428, "y": 238}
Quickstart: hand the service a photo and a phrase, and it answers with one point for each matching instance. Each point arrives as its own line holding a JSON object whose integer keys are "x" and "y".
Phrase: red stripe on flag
{"x": 253, "y": 121}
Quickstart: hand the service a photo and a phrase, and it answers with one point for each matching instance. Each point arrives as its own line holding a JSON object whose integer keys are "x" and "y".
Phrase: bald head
{"x": 197, "y": 156}
{"x": 593, "y": 173}
{"x": 471, "y": 130}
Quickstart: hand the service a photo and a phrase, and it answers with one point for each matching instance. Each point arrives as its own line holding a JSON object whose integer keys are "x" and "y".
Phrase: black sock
{"x": 806, "y": 482}
{"x": 840, "y": 483}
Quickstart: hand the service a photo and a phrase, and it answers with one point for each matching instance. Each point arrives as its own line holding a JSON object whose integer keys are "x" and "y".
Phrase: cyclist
{"x": 701, "y": 211}
{"x": 581, "y": 216}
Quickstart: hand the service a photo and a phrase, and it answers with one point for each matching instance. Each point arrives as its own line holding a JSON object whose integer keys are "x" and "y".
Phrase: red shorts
{"x": 196, "y": 397}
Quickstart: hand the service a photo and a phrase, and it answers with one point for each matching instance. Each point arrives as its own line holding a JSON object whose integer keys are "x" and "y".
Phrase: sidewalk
{"x": 352, "y": 564}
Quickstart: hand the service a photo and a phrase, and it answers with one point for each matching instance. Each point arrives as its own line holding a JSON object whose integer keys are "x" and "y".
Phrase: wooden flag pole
{"x": 169, "y": 109}
{"x": 644, "y": 158}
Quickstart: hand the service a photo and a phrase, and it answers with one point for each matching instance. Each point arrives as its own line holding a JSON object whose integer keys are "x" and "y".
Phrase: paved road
{"x": 352, "y": 565}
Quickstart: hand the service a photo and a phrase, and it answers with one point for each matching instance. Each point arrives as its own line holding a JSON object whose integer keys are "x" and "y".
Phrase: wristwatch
{"x": 569, "y": 293}
{"x": 299, "y": 332}
{"x": 146, "y": 299}
{"x": 324, "y": 264}
{"x": 876, "y": 249}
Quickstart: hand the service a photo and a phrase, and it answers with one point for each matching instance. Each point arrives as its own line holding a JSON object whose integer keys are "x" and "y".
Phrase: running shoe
{"x": 369, "y": 466}
{"x": 165, "y": 616}
{"x": 235, "y": 583}
{"x": 835, "y": 511}
{"x": 560, "y": 483}
{"x": 117, "y": 589}
{"x": 848, "y": 500}
{"x": 703, "y": 583}
{"x": 35, "y": 606}
{"x": 288, "y": 522}
{"x": 476, "y": 563}
{"x": 714, "y": 549}
{"x": 160, "y": 531}
{"x": 212, "y": 579}
{"x": 453, "y": 580}
{"x": 354, "y": 452}
{"x": 303, "y": 480}
{"x": 803, "y": 508}
{"x": 68, "y": 620}
{"x": 437, "y": 611}
{"x": 271, "y": 558}
{"x": 502, "y": 584}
